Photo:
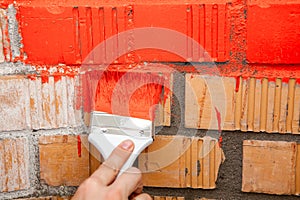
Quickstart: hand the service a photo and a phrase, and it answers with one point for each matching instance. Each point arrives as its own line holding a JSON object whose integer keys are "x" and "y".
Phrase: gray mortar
{"x": 13, "y": 31}
{"x": 18, "y": 68}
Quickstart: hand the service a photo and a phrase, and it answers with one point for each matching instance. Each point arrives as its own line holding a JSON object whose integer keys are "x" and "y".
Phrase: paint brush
{"x": 124, "y": 108}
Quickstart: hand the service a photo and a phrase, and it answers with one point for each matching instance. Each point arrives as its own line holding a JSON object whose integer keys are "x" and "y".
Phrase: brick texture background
{"x": 226, "y": 95}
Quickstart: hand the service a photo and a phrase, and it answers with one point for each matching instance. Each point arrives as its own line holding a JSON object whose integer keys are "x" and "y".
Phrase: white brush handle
{"x": 106, "y": 143}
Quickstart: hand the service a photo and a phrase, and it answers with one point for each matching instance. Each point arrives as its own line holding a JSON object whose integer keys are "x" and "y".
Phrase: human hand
{"x": 104, "y": 183}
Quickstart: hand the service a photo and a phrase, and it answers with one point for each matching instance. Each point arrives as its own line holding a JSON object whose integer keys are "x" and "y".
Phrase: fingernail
{"x": 127, "y": 145}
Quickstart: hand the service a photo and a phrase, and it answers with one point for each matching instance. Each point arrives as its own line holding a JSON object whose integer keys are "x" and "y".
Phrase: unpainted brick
{"x": 298, "y": 171}
{"x": 5, "y": 49}
{"x": 31, "y": 104}
{"x": 14, "y": 164}
{"x": 14, "y": 107}
{"x": 180, "y": 162}
{"x": 269, "y": 167}
{"x": 53, "y": 103}
{"x": 63, "y": 160}
{"x": 205, "y": 94}
{"x": 250, "y": 104}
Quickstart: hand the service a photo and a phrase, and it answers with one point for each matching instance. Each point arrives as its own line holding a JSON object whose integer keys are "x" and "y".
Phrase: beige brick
{"x": 258, "y": 105}
{"x": 205, "y": 93}
{"x": 269, "y": 167}
{"x": 296, "y": 111}
{"x": 14, "y": 165}
{"x": 180, "y": 162}
{"x": 53, "y": 103}
{"x": 14, "y": 107}
{"x": 4, "y": 40}
{"x": 60, "y": 161}
{"x": 298, "y": 171}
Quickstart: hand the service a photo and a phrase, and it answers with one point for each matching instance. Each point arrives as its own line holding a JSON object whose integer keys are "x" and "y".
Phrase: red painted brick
{"x": 74, "y": 31}
{"x": 273, "y": 32}
{"x": 60, "y": 161}
{"x": 14, "y": 164}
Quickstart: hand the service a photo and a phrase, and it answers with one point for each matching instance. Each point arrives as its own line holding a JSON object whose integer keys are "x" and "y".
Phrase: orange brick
{"x": 14, "y": 165}
{"x": 269, "y": 167}
{"x": 62, "y": 161}
{"x": 180, "y": 162}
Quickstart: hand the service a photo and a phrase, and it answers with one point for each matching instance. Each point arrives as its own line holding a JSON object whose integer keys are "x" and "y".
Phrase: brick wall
{"x": 231, "y": 118}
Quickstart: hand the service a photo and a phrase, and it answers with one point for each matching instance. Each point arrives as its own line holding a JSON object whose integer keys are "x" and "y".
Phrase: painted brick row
{"x": 246, "y": 104}
{"x": 14, "y": 164}
{"x": 207, "y": 24}
{"x": 271, "y": 167}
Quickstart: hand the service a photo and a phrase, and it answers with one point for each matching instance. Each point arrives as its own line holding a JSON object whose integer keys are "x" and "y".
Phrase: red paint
{"x": 67, "y": 34}
{"x": 220, "y": 141}
{"x": 78, "y": 146}
{"x": 134, "y": 95}
{"x": 273, "y": 33}
{"x": 218, "y": 114}
{"x": 237, "y": 84}
{"x": 45, "y": 78}
{"x": 125, "y": 91}
{"x": 32, "y": 77}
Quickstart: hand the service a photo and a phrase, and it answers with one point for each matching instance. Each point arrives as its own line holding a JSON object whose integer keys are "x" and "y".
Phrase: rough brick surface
{"x": 31, "y": 104}
{"x": 269, "y": 167}
{"x": 180, "y": 162}
{"x": 64, "y": 160}
{"x": 247, "y": 104}
{"x": 14, "y": 107}
{"x": 14, "y": 164}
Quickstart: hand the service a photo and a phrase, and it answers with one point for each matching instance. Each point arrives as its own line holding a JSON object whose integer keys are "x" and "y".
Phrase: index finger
{"x": 109, "y": 170}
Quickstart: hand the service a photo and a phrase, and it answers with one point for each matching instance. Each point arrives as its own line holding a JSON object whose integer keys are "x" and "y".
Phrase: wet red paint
{"x": 218, "y": 114}
{"x": 123, "y": 91}
{"x": 237, "y": 83}
{"x": 78, "y": 145}
{"x": 45, "y": 78}
{"x": 32, "y": 77}
{"x": 133, "y": 95}
{"x": 220, "y": 141}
